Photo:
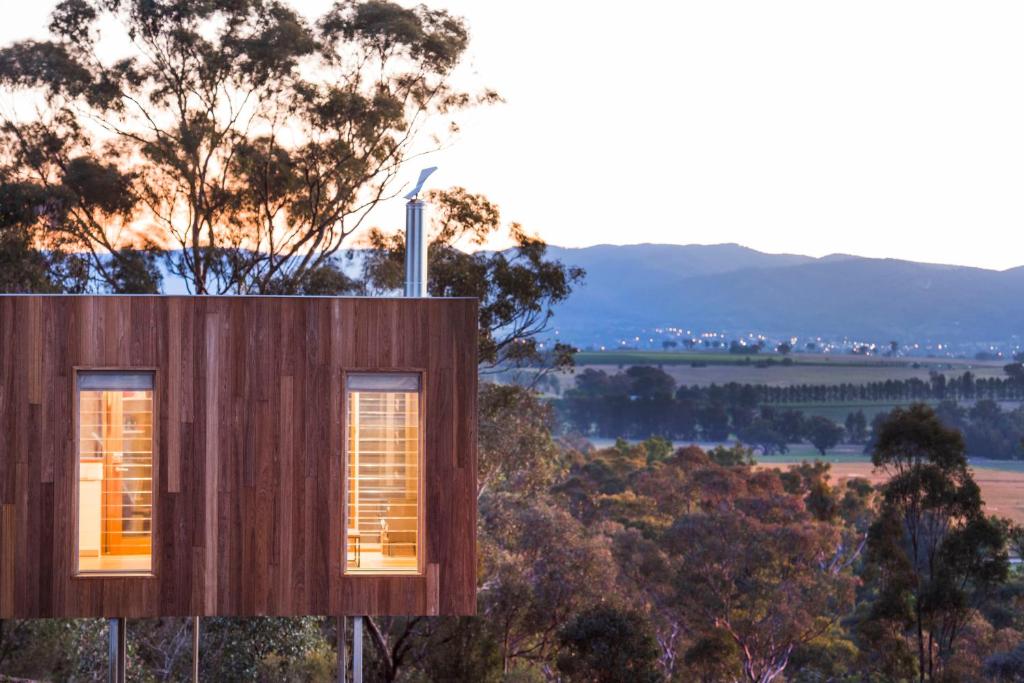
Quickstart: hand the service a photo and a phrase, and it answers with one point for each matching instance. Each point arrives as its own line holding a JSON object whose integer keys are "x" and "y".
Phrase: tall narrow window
{"x": 115, "y": 472}
{"x": 383, "y": 473}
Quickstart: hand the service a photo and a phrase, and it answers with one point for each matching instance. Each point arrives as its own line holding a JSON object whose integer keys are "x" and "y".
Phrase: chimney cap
{"x": 424, "y": 174}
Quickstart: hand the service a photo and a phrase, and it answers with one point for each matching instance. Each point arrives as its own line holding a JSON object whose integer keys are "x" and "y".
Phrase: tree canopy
{"x": 241, "y": 140}
{"x": 517, "y": 287}
{"x": 933, "y": 553}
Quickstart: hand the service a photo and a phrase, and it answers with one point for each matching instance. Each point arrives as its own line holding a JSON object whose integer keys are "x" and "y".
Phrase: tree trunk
{"x": 381, "y": 644}
{"x": 920, "y": 644}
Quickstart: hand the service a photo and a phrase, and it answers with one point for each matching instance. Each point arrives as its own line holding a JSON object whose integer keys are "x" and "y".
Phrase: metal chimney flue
{"x": 415, "y": 250}
{"x": 416, "y": 241}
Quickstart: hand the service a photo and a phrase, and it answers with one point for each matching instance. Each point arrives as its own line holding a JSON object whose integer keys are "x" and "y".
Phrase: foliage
{"x": 516, "y": 451}
{"x": 831, "y": 656}
{"x": 542, "y": 567}
{"x": 933, "y": 554}
{"x": 1006, "y": 667}
{"x": 736, "y": 567}
{"x": 857, "y": 427}
{"x": 823, "y": 433}
{"x": 658, "y": 449}
{"x": 713, "y": 657}
{"x": 235, "y": 649}
{"x": 517, "y": 288}
{"x": 764, "y": 435}
{"x": 135, "y": 271}
{"x": 31, "y": 259}
{"x": 606, "y": 645}
{"x": 64, "y": 649}
{"x": 244, "y": 140}
{"x": 990, "y": 430}
{"x": 735, "y": 456}
{"x": 460, "y": 649}
{"x": 319, "y": 663}
{"x": 760, "y": 568}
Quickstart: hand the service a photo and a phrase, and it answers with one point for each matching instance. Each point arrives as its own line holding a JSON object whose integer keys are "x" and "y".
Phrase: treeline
{"x": 964, "y": 387}
{"x": 644, "y": 401}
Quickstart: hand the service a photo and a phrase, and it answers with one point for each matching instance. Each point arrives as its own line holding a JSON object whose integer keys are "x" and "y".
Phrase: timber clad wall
{"x": 249, "y": 447}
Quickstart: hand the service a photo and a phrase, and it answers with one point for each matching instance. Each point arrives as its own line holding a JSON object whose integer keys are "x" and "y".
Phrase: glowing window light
{"x": 383, "y": 474}
{"x": 115, "y": 472}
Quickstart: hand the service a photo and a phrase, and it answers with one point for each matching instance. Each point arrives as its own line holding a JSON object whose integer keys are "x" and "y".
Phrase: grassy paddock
{"x": 639, "y": 357}
{"x": 1001, "y": 481}
{"x": 814, "y": 369}
{"x": 687, "y": 357}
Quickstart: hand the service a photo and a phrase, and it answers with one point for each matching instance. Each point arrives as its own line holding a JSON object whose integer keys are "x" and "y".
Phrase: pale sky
{"x": 889, "y": 128}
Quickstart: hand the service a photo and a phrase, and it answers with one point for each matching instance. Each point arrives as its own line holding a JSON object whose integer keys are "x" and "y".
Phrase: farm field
{"x": 1001, "y": 482}
{"x": 722, "y": 368}
{"x": 725, "y": 358}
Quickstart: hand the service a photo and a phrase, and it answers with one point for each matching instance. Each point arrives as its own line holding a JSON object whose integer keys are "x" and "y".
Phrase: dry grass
{"x": 1002, "y": 490}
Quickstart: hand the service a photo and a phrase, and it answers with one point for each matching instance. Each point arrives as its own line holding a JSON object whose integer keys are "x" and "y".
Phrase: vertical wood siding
{"x": 248, "y": 469}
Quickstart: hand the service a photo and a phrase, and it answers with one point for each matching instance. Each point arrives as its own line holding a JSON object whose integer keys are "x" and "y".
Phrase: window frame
{"x": 421, "y": 489}
{"x": 76, "y": 571}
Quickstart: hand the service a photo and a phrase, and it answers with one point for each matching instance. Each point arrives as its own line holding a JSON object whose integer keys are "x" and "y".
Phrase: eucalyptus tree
{"x": 517, "y": 287}
{"x": 239, "y": 139}
{"x": 933, "y": 555}
{"x": 758, "y": 568}
{"x": 25, "y": 265}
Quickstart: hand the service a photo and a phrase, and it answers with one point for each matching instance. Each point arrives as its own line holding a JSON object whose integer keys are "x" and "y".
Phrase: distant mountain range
{"x": 731, "y": 288}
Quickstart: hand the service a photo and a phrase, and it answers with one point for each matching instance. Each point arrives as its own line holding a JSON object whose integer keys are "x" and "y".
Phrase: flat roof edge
{"x": 240, "y": 296}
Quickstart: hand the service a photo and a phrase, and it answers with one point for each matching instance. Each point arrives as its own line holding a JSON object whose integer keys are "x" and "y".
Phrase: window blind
{"x": 115, "y": 488}
{"x": 383, "y": 473}
{"x": 381, "y": 381}
{"x": 115, "y": 381}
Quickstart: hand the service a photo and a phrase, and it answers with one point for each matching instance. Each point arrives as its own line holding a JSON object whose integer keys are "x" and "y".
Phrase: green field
{"x": 838, "y": 411}
{"x": 687, "y": 357}
{"x": 723, "y": 368}
{"x": 646, "y": 357}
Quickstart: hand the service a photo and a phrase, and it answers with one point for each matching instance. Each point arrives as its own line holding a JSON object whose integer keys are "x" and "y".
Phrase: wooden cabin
{"x": 237, "y": 456}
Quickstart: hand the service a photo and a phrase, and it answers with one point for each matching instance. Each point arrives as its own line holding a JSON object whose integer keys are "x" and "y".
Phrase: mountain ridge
{"x": 736, "y": 289}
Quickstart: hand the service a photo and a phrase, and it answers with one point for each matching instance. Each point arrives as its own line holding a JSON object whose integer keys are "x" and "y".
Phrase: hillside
{"x": 735, "y": 289}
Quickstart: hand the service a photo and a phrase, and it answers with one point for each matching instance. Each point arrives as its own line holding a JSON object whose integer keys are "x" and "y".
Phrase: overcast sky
{"x": 891, "y": 128}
